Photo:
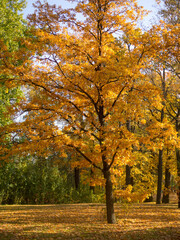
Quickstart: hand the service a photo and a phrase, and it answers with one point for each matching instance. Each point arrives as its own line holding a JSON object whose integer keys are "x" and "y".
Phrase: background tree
{"x": 170, "y": 13}
{"x": 12, "y": 28}
{"x": 160, "y": 116}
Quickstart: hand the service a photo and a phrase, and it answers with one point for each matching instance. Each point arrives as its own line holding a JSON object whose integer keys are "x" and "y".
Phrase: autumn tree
{"x": 12, "y": 28}
{"x": 170, "y": 61}
{"x": 170, "y": 13}
{"x": 76, "y": 70}
{"x": 159, "y": 116}
{"x": 164, "y": 74}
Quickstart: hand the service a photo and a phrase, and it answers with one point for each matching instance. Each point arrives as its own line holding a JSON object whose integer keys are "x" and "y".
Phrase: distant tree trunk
{"x": 76, "y": 177}
{"x": 129, "y": 179}
{"x": 178, "y": 169}
{"x": 160, "y": 162}
{"x": 159, "y": 184}
{"x": 92, "y": 188}
{"x": 165, "y": 198}
{"x": 128, "y": 175}
{"x": 178, "y": 154}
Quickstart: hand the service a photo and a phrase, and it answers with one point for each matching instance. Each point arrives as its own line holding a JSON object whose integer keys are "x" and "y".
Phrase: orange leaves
{"x": 87, "y": 221}
{"x": 129, "y": 196}
{"x": 163, "y": 134}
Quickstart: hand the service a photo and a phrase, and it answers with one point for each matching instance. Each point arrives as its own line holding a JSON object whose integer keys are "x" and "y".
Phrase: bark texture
{"x": 109, "y": 198}
{"x": 77, "y": 177}
{"x": 165, "y": 198}
{"x": 159, "y": 184}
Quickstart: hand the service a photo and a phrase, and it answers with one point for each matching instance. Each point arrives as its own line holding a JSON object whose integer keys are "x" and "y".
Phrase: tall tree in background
{"x": 170, "y": 13}
{"x": 12, "y": 28}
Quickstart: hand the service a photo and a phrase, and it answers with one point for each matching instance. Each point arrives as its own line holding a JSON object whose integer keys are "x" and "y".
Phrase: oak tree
{"x": 83, "y": 85}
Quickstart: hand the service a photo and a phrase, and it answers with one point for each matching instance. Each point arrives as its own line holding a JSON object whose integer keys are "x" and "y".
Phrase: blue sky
{"x": 147, "y": 4}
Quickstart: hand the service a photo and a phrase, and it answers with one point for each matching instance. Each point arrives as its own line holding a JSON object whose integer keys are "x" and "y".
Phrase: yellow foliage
{"x": 129, "y": 196}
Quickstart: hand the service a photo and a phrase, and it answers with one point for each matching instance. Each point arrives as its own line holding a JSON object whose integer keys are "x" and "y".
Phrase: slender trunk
{"x": 160, "y": 163}
{"x": 92, "y": 188}
{"x": 165, "y": 198}
{"x": 178, "y": 154}
{"x": 128, "y": 175}
{"x": 109, "y": 198}
{"x": 129, "y": 179}
{"x": 159, "y": 184}
{"x": 76, "y": 177}
{"x": 178, "y": 170}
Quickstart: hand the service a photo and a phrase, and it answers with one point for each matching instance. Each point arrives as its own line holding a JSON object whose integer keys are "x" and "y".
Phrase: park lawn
{"x": 146, "y": 221}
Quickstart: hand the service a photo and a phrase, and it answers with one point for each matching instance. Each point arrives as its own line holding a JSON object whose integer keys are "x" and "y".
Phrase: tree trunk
{"x": 92, "y": 188}
{"x": 165, "y": 198}
{"x": 159, "y": 184}
{"x": 160, "y": 172}
{"x": 76, "y": 177}
{"x": 128, "y": 175}
{"x": 109, "y": 198}
{"x": 129, "y": 179}
{"x": 178, "y": 154}
{"x": 178, "y": 170}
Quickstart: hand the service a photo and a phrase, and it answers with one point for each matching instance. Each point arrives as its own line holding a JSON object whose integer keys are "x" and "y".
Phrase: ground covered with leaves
{"x": 146, "y": 221}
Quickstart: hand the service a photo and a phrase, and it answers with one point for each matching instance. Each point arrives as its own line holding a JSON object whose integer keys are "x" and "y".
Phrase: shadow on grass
{"x": 87, "y": 222}
{"x": 150, "y": 212}
{"x": 88, "y": 213}
{"x": 81, "y": 233}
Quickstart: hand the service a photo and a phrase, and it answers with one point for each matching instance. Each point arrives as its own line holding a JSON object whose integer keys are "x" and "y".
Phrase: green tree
{"x": 12, "y": 25}
{"x": 12, "y": 28}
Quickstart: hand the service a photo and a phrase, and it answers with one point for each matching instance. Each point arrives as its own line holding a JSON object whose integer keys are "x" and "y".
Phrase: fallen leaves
{"x": 87, "y": 221}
